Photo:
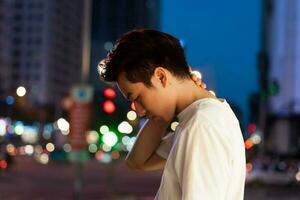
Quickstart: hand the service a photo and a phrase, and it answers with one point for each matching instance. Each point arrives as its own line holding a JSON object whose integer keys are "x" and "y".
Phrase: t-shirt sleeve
{"x": 203, "y": 162}
{"x": 165, "y": 146}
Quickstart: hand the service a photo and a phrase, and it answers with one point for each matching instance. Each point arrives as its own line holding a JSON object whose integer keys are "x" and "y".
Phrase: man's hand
{"x": 197, "y": 80}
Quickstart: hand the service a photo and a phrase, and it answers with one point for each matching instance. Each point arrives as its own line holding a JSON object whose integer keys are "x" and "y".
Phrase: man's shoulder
{"x": 210, "y": 114}
{"x": 206, "y": 113}
{"x": 197, "y": 119}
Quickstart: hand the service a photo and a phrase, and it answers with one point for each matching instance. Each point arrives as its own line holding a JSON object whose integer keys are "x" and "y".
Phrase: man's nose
{"x": 139, "y": 109}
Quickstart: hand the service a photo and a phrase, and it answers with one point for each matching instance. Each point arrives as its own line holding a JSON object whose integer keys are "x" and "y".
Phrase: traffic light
{"x": 109, "y": 106}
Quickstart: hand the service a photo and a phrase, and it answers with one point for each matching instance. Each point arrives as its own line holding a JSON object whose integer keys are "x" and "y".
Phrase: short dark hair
{"x": 139, "y": 52}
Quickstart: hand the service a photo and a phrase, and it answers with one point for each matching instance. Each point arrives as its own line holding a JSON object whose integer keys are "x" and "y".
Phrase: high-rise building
{"x": 283, "y": 49}
{"x": 41, "y": 48}
{"x": 4, "y": 69}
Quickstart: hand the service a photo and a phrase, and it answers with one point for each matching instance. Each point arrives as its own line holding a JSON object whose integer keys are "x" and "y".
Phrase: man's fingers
{"x": 194, "y": 77}
{"x": 198, "y": 81}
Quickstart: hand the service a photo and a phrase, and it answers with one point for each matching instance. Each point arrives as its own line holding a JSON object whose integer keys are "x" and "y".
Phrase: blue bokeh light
{"x": 9, "y": 100}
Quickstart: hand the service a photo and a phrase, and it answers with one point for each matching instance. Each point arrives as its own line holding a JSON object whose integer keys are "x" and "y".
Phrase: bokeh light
{"x": 251, "y": 128}
{"x": 108, "y": 45}
{"x": 38, "y": 149}
{"x": 93, "y": 148}
{"x": 10, "y": 148}
{"x": 67, "y": 147}
{"x": 9, "y": 100}
{"x": 19, "y": 128}
{"x": 63, "y": 124}
{"x": 297, "y": 176}
{"x": 30, "y": 135}
{"x": 105, "y": 158}
{"x": 29, "y": 149}
{"x": 255, "y": 139}
{"x": 104, "y": 129}
{"x": 44, "y": 158}
{"x": 50, "y": 147}
{"x": 92, "y": 137}
{"x": 130, "y": 143}
{"x": 21, "y": 91}
{"x": 2, "y": 127}
{"x": 110, "y": 138}
{"x": 131, "y": 115}
{"x": 248, "y": 144}
{"x": 125, "y": 127}
{"x": 115, "y": 155}
{"x": 3, "y": 164}
{"x": 106, "y": 148}
{"x": 125, "y": 140}
{"x": 109, "y": 93}
{"x": 109, "y": 107}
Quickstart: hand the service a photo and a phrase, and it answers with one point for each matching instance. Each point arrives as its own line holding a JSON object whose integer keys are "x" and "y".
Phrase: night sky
{"x": 222, "y": 39}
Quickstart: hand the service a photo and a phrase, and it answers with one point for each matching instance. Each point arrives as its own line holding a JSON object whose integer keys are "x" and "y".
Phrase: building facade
{"x": 41, "y": 48}
{"x": 282, "y": 21}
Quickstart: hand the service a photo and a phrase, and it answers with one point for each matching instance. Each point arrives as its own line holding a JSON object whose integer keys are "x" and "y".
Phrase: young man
{"x": 205, "y": 157}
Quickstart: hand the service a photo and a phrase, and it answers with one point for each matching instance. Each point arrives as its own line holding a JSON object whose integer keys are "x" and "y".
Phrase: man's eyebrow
{"x": 128, "y": 95}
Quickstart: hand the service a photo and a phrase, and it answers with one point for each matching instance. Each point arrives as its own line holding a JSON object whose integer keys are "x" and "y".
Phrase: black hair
{"x": 139, "y": 52}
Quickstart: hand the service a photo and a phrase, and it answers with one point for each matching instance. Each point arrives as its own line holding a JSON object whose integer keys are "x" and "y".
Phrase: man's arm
{"x": 142, "y": 155}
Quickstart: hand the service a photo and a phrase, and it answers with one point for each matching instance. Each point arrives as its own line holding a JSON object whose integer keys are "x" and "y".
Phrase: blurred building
{"x": 4, "y": 69}
{"x": 41, "y": 48}
{"x": 282, "y": 22}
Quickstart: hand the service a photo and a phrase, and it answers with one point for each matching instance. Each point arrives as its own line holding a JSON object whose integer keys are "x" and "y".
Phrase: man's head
{"x": 139, "y": 52}
{"x": 143, "y": 62}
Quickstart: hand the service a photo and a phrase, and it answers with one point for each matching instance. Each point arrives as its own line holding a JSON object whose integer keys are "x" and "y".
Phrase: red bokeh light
{"x": 251, "y": 128}
{"x": 109, "y": 106}
{"x": 109, "y": 93}
{"x": 3, "y": 164}
{"x": 248, "y": 144}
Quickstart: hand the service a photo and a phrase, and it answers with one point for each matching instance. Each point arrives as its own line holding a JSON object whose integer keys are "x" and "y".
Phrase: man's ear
{"x": 160, "y": 76}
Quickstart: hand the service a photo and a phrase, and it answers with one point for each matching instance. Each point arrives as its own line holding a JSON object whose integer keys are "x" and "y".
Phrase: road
{"x": 29, "y": 180}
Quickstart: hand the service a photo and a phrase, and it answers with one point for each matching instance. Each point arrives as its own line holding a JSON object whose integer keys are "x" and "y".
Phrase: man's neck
{"x": 189, "y": 92}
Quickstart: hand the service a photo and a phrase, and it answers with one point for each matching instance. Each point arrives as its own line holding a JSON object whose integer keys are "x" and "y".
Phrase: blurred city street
{"x": 30, "y": 180}
{"x": 54, "y": 109}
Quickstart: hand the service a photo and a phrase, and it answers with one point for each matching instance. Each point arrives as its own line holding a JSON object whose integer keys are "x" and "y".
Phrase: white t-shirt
{"x": 205, "y": 156}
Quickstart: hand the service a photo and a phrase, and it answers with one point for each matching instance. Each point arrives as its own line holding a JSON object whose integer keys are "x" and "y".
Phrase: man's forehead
{"x": 124, "y": 85}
